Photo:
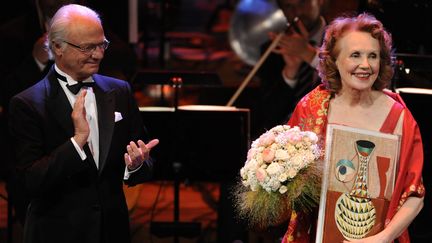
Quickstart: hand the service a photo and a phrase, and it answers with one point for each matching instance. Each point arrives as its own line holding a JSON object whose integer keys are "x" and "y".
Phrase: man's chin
{"x": 92, "y": 68}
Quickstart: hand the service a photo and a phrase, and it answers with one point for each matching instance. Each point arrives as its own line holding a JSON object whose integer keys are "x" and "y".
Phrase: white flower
{"x": 283, "y": 189}
{"x": 279, "y": 128}
{"x": 251, "y": 175}
{"x": 251, "y": 165}
{"x": 243, "y": 172}
{"x": 293, "y": 151}
{"x": 290, "y": 149}
{"x": 273, "y": 168}
{"x": 259, "y": 158}
{"x": 292, "y": 173}
{"x": 281, "y": 154}
{"x": 283, "y": 177}
{"x": 275, "y": 184}
{"x": 251, "y": 153}
{"x": 312, "y": 136}
{"x": 297, "y": 161}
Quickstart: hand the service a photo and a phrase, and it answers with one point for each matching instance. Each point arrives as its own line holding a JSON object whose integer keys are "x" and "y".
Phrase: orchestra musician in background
{"x": 290, "y": 71}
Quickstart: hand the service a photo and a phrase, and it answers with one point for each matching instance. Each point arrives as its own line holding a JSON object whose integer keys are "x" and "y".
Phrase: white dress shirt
{"x": 91, "y": 117}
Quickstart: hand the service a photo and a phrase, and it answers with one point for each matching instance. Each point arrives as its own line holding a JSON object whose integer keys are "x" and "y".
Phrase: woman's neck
{"x": 353, "y": 97}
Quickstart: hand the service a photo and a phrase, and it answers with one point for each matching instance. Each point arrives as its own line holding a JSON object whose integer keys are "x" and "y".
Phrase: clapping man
{"x": 78, "y": 136}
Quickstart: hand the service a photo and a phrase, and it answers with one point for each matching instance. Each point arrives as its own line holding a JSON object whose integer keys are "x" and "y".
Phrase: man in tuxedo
{"x": 25, "y": 61}
{"x": 289, "y": 71}
{"x": 78, "y": 137}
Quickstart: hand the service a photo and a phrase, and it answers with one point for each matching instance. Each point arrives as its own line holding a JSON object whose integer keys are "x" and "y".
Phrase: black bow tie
{"x": 75, "y": 88}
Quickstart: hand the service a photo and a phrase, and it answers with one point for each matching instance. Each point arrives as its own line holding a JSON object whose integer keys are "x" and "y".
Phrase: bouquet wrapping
{"x": 282, "y": 173}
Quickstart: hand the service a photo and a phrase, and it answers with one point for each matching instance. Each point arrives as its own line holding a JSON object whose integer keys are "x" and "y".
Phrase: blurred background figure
{"x": 24, "y": 62}
{"x": 24, "y": 56}
{"x": 289, "y": 72}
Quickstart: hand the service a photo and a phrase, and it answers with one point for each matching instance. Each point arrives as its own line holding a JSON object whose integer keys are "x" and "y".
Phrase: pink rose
{"x": 266, "y": 139}
{"x": 268, "y": 155}
{"x": 294, "y": 137}
{"x": 251, "y": 153}
{"x": 261, "y": 174}
{"x": 312, "y": 136}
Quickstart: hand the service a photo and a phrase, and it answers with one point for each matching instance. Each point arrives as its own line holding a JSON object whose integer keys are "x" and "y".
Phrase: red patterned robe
{"x": 311, "y": 115}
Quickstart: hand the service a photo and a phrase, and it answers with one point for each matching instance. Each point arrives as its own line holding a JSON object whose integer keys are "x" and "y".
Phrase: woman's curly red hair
{"x": 364, "y": 22}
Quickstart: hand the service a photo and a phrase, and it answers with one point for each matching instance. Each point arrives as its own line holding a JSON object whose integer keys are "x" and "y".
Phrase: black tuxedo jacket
{"x": 70, "y": 199}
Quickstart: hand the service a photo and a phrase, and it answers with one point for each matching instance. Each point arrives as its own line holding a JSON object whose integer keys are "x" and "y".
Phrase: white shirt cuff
{"x": 127, "y": 173}
{"x": 79, "y": 150}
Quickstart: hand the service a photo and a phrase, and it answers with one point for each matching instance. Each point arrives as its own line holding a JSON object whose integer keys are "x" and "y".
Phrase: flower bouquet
{"x": 281, "y": 174}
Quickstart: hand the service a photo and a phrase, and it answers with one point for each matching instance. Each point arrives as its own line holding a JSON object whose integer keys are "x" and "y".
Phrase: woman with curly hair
{"x": 356, "y": 68}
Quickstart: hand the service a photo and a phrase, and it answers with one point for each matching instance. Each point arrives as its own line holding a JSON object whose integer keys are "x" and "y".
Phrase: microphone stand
{"x": 176, "y": 83}
{"x": 176, "y": 228}
{"x": 177, "y": 80}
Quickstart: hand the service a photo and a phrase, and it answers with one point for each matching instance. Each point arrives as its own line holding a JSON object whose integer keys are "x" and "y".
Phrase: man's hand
{"x": 81, "y": 126}
{"x": 295, "y": 48}
{"x": 137, "y": 154}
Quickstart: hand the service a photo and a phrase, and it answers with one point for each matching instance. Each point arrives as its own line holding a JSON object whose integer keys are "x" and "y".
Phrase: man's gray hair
{"x": 63, "y": 17}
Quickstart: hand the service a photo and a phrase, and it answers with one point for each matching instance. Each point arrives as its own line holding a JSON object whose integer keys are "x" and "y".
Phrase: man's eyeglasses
{"x": 90, "y": 48}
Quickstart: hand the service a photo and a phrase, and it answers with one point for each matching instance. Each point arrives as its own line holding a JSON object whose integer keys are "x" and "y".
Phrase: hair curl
{"x": 364, "y": 22}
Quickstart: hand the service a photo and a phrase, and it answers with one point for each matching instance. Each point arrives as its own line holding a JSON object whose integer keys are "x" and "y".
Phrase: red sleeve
{"x": 409, "y": 179}
{"x": 299, "y": 114}
{"x": 411, "y": 160}
{"x": 310, "y": 113}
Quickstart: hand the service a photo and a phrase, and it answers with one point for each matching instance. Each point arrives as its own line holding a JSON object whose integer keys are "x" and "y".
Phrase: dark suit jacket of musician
{"x": 71, "y": 200}
{"x": 277, "y": 99}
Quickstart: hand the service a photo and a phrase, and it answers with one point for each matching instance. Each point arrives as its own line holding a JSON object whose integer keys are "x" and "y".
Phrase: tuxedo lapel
{"x": 105, "y": 99}
{"x": 58, "y": 105}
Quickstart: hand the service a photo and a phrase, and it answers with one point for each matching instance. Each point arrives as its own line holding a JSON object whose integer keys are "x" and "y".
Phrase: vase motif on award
{"x": 355, "y": 213}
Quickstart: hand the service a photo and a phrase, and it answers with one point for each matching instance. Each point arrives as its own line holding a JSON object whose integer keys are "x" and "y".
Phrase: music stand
{"x": 176, "y": 79}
